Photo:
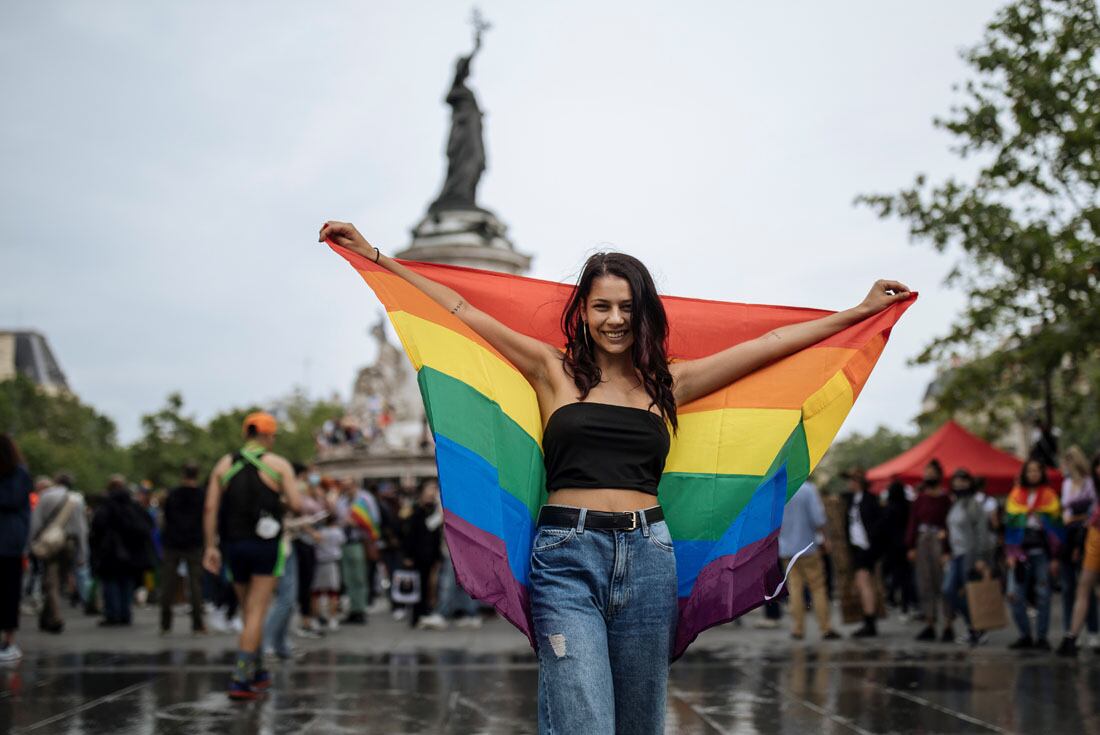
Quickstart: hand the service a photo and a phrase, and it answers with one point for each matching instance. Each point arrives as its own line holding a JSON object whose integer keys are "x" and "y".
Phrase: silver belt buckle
{"x": 633, "y": 520}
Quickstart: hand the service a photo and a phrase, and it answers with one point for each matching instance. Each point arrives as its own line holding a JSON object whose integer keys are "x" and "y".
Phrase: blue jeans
{"x": 118, "y": 593}
{"x": 277, "y": 624}
{"x": 604, "y": 609}
{"x": 954, "y": 587}
{"x": 452, "y": 598}
{"x": 1036, "y": 571}
{"x": 1070, "y": 573}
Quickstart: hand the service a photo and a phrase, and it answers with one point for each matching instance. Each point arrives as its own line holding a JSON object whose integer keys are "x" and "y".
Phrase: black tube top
{"x": 600, "y": 445}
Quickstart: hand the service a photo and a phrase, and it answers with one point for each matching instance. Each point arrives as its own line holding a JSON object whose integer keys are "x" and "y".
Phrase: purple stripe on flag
{"x": 481, "y": 567}
{"x": 729, "y": 587}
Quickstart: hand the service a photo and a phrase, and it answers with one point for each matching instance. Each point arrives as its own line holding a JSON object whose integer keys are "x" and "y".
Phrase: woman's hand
{"x": 883, "y": 294}
{"x": 212, "y": 560}
{"x": 345, "y": 235}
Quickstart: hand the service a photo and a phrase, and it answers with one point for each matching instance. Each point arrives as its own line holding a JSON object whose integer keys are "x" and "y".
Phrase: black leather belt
{"x": 560, "y": 515}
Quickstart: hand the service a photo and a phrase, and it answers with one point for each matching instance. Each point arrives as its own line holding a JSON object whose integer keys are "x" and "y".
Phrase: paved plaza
{"x": 387, "y": 678}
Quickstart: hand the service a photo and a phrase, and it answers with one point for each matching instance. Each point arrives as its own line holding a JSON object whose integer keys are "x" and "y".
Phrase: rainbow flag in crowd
{"x": 363, "y": 517}
{"x": 739, "y": 454}
{"x": 1047, "y": 506}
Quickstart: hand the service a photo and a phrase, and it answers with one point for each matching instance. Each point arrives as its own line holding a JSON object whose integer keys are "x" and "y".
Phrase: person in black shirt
{"x": 182, "y": 540}
{"x": 121, "y": 547}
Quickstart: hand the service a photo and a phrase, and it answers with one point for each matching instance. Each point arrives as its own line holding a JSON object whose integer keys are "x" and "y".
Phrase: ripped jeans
{"x": 604, "y": 609}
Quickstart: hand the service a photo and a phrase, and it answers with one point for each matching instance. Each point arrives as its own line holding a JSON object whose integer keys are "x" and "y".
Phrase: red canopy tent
{"x": 955, "y": 447}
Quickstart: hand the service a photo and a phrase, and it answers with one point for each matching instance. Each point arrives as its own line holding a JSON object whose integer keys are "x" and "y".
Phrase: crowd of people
{"x": 350, "y": 549}
{"x": 925, "y": 544}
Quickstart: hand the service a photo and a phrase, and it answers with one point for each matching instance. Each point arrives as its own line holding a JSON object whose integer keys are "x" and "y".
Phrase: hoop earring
{"x": 587, "y": 339}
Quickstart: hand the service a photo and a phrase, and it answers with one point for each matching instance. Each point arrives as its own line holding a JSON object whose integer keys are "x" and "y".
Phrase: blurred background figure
{"x": 926, "y": 539}
{"x": 182, "y": 542}
{"x": 16, "y": 487}
{"x": 864, "y": 531}
{"x": 59, "y": 507}
{"x": 897, "y": 570}
{"x": 803, "y": 534}
{"x": 971, "y": 544}
{"x": 121, "y": 546}
{"x": 1078, "y": 503}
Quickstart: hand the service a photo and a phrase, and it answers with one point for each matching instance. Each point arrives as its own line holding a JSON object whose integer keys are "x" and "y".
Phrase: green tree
{"x": 863, "y": 451}
{"x": 169, "y": 439}
{"x": 58, "y": 432}
{"x": 1027, "y": 224}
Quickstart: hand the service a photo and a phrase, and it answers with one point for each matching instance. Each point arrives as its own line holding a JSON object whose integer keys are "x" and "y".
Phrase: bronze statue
{"x": 465, "y": 147}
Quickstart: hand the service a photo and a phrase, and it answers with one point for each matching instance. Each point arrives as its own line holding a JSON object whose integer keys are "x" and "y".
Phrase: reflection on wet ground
{"x": 388, "y": 678}
{"x": 778, "y": 690}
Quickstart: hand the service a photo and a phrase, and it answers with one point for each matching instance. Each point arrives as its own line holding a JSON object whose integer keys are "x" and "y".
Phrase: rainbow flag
{"x": 1048, "y": 507}
{"x": 363, "y": 517}
{"x": 739, "y": 454}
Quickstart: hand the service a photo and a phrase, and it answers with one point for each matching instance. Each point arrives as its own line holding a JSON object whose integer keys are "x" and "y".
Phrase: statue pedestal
{"x": 469, "y": 237}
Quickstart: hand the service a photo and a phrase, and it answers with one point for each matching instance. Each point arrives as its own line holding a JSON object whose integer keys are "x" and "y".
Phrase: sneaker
{"x": 216, "y": 621}
{"x": 831, "y": 635}
{"x": 10, "y": 654}
{"x": 1042, "y": 644}
{"x": 400, "y": 614}
{"x": 434, "y": 621}
{"x": 262, "y": 680}
{"x": 865, "y": 631}
{"x": 236, "y": 624}
{"x": 928, "y": 634}
{"x": 948, "y": 635}
{"x": 975, "y": 637}
{"x": 307, "y": 633}
{"x": 1022, "y": 643}
{"x": 1068, "y": 647}
{"x": 333, "y": 625}
{"x": 242, "y": 691}
{"x": 470, "y": 621}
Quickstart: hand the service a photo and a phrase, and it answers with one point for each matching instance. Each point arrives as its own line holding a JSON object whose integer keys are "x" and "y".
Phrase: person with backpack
{"x": 59, "y": 540}
{"x": 121, "y": 549}
{"x": 248, "y": 490}
{"x": 16, "y": 487}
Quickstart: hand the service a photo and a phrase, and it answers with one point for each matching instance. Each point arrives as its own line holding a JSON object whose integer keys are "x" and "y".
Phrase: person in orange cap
{"x": 243, "y": 519}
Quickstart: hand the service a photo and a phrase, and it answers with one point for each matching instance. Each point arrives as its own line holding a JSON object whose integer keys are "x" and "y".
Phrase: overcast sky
{"x": 166, "y": 166}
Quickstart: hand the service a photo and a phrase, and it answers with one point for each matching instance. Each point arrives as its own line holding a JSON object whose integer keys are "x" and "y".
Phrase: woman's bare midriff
{"x": 608, "y": 499}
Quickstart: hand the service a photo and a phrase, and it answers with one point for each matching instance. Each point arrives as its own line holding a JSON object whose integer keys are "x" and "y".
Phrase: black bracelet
{"x": 377, "y": 255}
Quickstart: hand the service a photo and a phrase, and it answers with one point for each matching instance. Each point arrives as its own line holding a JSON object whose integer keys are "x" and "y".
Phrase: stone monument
{"x": 385, "y": 416}
{"x": 455, "y": 229}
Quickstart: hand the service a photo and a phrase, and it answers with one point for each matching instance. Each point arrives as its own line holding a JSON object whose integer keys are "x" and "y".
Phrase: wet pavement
{"x": 386, "y": 678}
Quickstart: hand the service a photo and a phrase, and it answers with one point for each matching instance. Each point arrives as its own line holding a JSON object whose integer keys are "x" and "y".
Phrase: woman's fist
{"x": 345, "y": 235}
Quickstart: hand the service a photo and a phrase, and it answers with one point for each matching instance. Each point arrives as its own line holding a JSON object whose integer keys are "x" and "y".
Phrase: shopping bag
{"x": 987, "y": 603}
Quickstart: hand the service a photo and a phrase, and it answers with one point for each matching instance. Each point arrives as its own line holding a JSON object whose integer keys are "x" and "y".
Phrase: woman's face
{"x": 932, "y": 475}
{"x": 1033, "y": 474}
{"x": 961, "y": 485}
{"x": 608, "y": 312}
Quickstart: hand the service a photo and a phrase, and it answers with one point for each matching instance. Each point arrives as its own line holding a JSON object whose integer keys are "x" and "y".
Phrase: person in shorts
{"x": 244, "y": 504}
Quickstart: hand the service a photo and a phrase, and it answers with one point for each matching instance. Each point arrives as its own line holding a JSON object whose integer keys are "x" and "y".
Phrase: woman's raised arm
{"x": 533, "y": 358}
{"x": 693, "y": 379}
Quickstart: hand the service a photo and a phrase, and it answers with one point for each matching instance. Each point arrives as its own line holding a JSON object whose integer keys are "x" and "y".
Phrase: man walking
{"x": 58, "y": 509}
{"x": 803, "y": 524}
{"x": 247, "y": 490}
{"x": 182, "y": 540}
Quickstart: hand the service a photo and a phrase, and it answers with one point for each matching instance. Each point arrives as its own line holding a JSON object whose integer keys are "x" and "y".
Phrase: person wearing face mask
{"x": 1033, "y": 538}
{"x": 926, "y": 538}
{"x": 971, "y": 544}
{"x": 304, "y": 541}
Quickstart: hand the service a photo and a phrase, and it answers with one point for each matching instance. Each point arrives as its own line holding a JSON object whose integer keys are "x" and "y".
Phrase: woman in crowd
{"x": 1033, "y": 539}
{"x": 926, "y": 539}
{"x": 15, "y": 521}
{"x": 971, "y": 543}
{"x": 897, "y": 570}
{"x": 1090, "y": 571}
{"x": 1078, "y": 503}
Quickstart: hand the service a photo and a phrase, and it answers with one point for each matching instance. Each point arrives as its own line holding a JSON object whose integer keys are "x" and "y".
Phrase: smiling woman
{"x": 597, "y": 570}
